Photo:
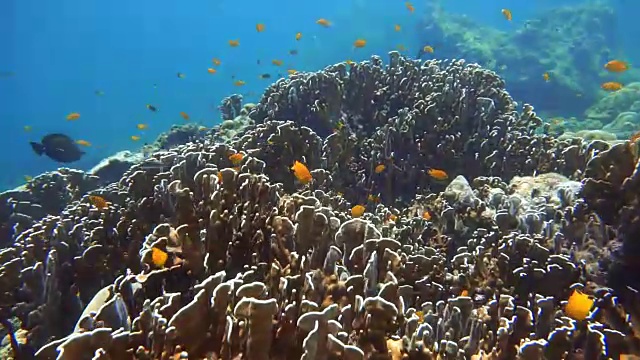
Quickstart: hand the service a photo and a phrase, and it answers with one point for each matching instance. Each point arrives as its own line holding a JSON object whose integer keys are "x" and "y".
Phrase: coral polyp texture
{"x": 213, "y": 249}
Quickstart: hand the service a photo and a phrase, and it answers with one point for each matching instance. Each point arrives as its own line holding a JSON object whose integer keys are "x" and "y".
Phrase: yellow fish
{"x": 83, "y": 143}
{"x": 578, "y": 305}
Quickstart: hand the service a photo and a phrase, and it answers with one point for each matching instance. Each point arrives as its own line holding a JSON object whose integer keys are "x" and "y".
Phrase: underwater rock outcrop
{"x": 201, "y": 254}
{"x": 570, "y": 43}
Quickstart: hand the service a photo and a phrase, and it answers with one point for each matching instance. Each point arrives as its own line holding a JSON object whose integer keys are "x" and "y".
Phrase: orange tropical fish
{"x": 611, "y": 86}
{"x": 410, "y": 7}
{"x": 349, "y": 62}
{"x": 211, "y": 70}
{"x": 437, "y": 174}
{"x": 426, "y": 215}
{"x": 73, "y": 116}
{"x": 301, "y": 172}
{"x": 401, "y": 47}
{"x": 360, "y": 43}
{"x": 298, "y": 36}
{"x": 464, "y": 293}
{"x": 578, "y": 305}
{"x": 219, "y": 177}
{"x": 507, "y": 14}
{"x": 83, "y": 143}
{"x": 135, "y": 137}
{"x": 216, "y": 61}
{"x": 392, "y": 217}
{"x": 259, "y": 27}
{"x": 546, "y": 76}
{"x": 277, "y": 62}
{"x": 291, "y": 71}
{"x": 184, "y": 115}
{"x": 378, "y": 169}
{"x": 428, "y": 49}
{"x": 323, "y": 22}
{"x": 236, "y": 158}
{"x": 397, "y": 27}
{"x": 357, "y": 211}
{"x": 616, "y": 66}
{"x": 373, "y": 198}
{"x": 98, "y": 201}
{"x": 142, "y": 126}
{"x": 635, "y": 137}
{"x": 239, "y": 83}
{"x": 234, "y": 43}
{"x": 158, "y": 257}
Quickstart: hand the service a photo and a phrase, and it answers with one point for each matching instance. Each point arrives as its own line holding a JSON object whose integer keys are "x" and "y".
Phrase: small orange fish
{"x": 236, "y": 158}
{"x": 426, "y": 215}
{"x": 211, "y": 70}
{"x": 98, "y": 201}
{"x": 392, "y": 217}
{"x": 323, "y": 22}
{"x": 142, "y": 126}
{"x": 277, "y": 62}
{"x": 234, "y": 43}
{"x": 219, "y": 177}
{"x": 464, "y": 293}
{"x": 635, "y": 137}
{"x": 401, "y": 47}
{"x": 73, "y": 116}
{"x": 507, "y": 14}
{"x": 617, "y": 66}
{"x": 301, "y": 172}
{"x": 397, "y": 27}
{"x": 298, "y": 36}
{"x": 291, "y": 71}
{"x": 428, "y": 49}
{"x": 360, "y": 43}
{"x": 437, "y": 174}
{"x": 216, "y": 61}
{"x": 546, "y": 76}
{"x": 349, "y": 62}
{"x": 420, "y": 316}
{"x": 28, "y": 178}
{"x": 611, "y": 86}
{"x": 380, "y": 168}
{"x": 239, "y": 83}
{"x": 409, "y": 7}
{"x": 135, "y": 137}
{"x": 578, "y": 305}
{"x": 158, "y": 257}
{"x": 184, "y": 115}
{"x": 373, "y": 198}
{"x": 83, "y": 143}
{"x": 357, "y": 211}
{"x": 259, "y": 27}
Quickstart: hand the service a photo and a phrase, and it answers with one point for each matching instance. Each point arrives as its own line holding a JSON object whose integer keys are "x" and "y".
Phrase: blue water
{"x": 63, "y": 51}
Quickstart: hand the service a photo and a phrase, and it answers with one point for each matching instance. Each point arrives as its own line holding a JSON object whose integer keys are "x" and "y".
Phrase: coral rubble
{"x": 212, "y": 250}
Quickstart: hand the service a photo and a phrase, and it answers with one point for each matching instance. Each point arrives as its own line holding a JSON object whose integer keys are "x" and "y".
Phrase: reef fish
{"x": 298, "y": 36}
{"x": 58, "y": 147}
{"x": 236, "y": 158}
{"x": 73, "y": 116}
{"x": 611, "y": 86}
{"x": 360, "y": 43}
{"x": 323, "y": 22}
{"x": 260, "y": 27}
{"x": 301, "y": 172}
{"x": 357, "y": 211}
{"x": 616, "y": 66}
{"x": 437, "y": 174}
{"x": 578, "y": 305}
{"x": 98, "y": 201}
{"x": 380, "y": 168}
{"x": 507, "y": 14}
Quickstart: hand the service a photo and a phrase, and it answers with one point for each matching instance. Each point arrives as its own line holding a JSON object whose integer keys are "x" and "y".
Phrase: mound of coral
{"x": 202, "y": 253}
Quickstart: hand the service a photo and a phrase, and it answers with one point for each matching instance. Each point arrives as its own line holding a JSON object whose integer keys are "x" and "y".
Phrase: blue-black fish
{"x": 58, "y": 147}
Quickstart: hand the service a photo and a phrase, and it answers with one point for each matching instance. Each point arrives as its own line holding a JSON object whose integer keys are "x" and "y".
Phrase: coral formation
{"x": 202, "y": 253}
{"x": 561, "y": 42}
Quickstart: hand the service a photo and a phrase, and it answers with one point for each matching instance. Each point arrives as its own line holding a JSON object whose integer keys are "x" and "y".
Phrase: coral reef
{"x": 205, "y": 254}
{"x": 570, "y": 43}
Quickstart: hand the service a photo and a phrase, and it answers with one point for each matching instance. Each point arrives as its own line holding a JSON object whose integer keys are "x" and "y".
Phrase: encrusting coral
{"x": 202, "y": 253}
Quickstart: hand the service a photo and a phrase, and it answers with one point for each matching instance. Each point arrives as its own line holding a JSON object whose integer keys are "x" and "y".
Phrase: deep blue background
{"x": 63, "y": 51}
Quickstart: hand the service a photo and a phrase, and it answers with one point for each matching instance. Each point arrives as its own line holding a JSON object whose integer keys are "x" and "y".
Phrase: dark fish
{"x": 58, "y": 147}
{"x": 180, "y": 75}
{"x": 293, "y": 52}
{"x": 258, "y": 62}
{"x": 265, "y": 76}
{"x": 152, "y": 108}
